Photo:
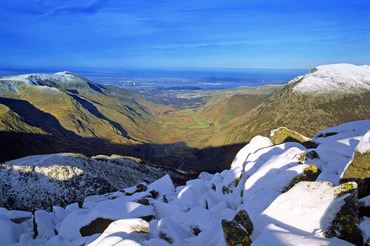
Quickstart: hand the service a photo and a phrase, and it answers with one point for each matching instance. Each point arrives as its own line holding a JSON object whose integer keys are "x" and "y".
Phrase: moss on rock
{"x": 359, "y": 172}
{"x": 283, "y": 135}
{"x": 242, "y": 218}
{"x": 345, "y": 225}
{"x": 235, "y": 234}
{"x": 308, "y": 155}
{"x": 310, "y": 173}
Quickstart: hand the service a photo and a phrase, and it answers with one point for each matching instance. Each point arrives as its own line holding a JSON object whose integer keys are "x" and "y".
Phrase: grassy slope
{"x": 306, "y": 114}
{"x": 45, "y": 120}
{"x": 105, "y": 120}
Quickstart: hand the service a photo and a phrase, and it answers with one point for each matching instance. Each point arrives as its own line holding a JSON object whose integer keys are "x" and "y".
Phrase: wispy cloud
{"x": 87, "y": 8}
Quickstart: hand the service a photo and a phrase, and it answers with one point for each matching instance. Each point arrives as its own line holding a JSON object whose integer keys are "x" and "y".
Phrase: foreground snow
{"x": 259, "y": 182}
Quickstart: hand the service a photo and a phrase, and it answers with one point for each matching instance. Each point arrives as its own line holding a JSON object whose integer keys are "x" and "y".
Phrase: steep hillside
{"x": 327, "y": 96}
{"x": 64, "y": 112}
{"x": 48, "y": 113}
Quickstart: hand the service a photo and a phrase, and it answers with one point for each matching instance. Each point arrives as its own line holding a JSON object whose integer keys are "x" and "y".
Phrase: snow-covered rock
{"x": 309, "y": 208}
{"x": 44, "y": 224}
{"x": 123, "y": 231}
{"x": 10, "y": 232}
{"x": 262, "y": 197}
{"x": 358, "y": 168}
{"x": 274, "y": 235}
{"x": 340, "y": 78}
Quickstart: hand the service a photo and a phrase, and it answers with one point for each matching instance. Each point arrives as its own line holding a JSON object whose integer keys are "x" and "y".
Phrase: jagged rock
{"x": 242, "y": 218}
{"x": 283, "y": 135}
{"x": 96, "y": 226}
{"x": 346, "y": 222}
{"x": 310, "y": 173}
{"x": 235, "y": 234}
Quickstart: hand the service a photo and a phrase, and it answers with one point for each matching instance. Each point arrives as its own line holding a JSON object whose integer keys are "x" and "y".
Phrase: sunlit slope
{"x": 74, "y": 113}
{"x": 339, "y": 98}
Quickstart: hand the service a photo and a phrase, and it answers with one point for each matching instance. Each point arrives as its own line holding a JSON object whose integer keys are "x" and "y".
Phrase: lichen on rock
{"x": 242, "y": 218}
{"x": 310, "y": 173}
{"x": 235, "y": 234}
{"x": 359, "y": 171}
{"x": 345, "y": 225}
{"x": 283, "y": 135}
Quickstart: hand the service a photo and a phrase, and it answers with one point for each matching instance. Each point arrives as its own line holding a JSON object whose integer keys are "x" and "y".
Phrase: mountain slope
{"x": 66, "y": 112}
{"x": 327, "y": 96}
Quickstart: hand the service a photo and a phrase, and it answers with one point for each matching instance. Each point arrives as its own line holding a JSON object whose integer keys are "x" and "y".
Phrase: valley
{"x": 191, "y": 129}
{"x": 96, "y": 156}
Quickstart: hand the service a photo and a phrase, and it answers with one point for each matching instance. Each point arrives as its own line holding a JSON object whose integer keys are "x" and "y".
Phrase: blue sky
{"x": 183, "y": 35}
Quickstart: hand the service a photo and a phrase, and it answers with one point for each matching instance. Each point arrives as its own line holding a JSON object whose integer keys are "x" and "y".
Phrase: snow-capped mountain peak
{"x": 342, "y": 78}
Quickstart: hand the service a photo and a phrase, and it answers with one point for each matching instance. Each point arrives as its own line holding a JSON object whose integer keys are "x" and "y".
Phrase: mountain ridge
{"x": 306, "y": 113}
{"x": 90, "y": 113}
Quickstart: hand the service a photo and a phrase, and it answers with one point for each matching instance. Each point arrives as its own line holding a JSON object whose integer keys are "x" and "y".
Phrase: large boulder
{"x": 315, "y": 208}
{"x": 283, "y": 135}
{"x": 358, "y": 169}
{"x": 123, "y": 231}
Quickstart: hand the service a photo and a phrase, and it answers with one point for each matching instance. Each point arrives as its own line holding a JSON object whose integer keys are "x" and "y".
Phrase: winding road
{"x": 182, "y": 159}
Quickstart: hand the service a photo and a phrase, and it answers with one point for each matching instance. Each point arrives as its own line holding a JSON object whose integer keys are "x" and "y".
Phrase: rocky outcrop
{"x": 345, "y": 225}
{"x": 41, "y": 182}
{"x": 358, "y": 169}
{"x": 283, "y": 135}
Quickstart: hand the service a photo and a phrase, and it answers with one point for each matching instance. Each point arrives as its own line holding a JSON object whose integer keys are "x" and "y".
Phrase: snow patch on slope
{"x": 344, "y": 78}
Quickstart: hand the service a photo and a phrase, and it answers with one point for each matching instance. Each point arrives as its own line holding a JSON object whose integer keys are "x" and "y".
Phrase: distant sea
{"x": 211, "y": 79}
